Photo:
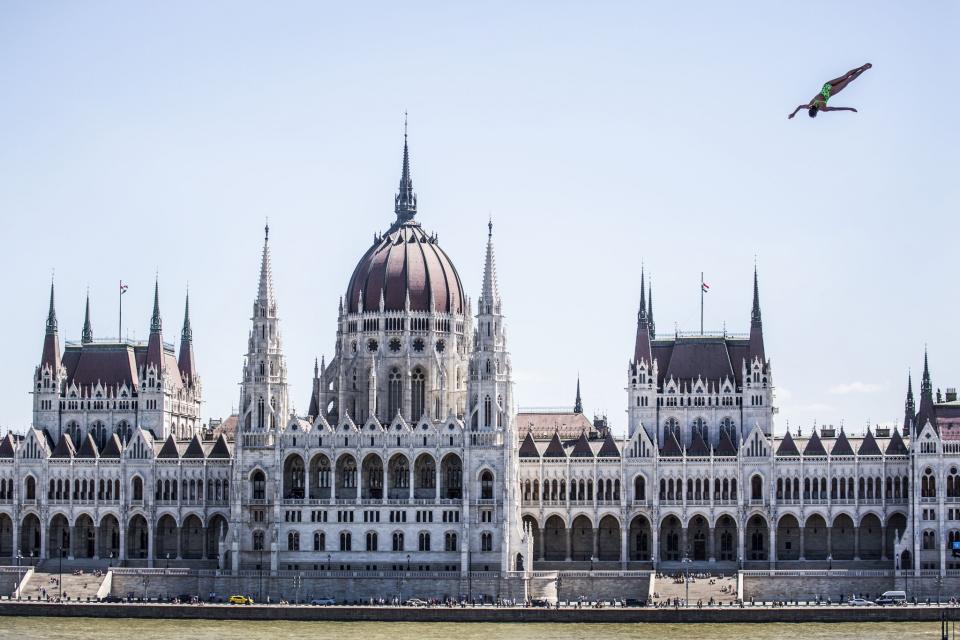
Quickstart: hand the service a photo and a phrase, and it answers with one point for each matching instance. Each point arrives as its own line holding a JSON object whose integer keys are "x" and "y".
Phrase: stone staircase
{"x": 667, "y": 589}
{"x": 73, "y": 587}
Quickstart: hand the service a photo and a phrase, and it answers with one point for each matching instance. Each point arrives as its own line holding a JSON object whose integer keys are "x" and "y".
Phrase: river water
{"x": 83, "y": 628}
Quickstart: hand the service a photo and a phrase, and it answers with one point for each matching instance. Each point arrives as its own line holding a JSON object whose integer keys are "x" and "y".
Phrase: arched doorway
{"x": 815, "y": 538}
{"x": 758, "y": 537}
{"x": 842, "y": 538}
{"x": 670, "y": 533}
{"x": 788, "y": 538}
{"x": 137, "y": 538}
{"x": 425, "y": 477}
{"x": 725, "y": 539}
{"x": 639, "y": 543}
{"x": 166, "y": 538}
{"x": 6, "y": 535}
{"x": 108, "y": 538}
{"x": 608, "y": 539}
{"x": 451, "y": 477}
{"x": 84, "y": 537}
{"x": 347, "y": 477}
{"x": 372, "y": 472}
{"x": 30, "y": 536}
{"x": 398, "y": 470}
{"x": 58, "y": 537}
{"x": 581, "y": 544}
{"x": 555, "y": 539}
{"x": 896, "y": 525}
{"x": 697, "y": 532}
{"x": 192, "y": 537}
{"x": 871, "y": 537}
{"x": 320, "y": 477}
{"x": 294, "y": 478}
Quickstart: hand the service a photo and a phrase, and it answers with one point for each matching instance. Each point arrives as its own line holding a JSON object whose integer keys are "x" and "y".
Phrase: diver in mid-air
{"x": 831, "y": 88}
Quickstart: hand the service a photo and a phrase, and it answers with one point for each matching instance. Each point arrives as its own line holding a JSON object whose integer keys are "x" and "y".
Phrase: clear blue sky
{"x": 137, "y": 137}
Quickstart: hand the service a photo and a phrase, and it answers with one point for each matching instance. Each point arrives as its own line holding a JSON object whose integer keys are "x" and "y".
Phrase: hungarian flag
{"x": 705, "y": 287}
{"x": 123, "y": 288}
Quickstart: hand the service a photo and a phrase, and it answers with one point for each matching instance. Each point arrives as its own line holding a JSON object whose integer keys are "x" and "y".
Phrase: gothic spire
{"x": 755, "y": 313}
{"x": 51, "y": 341}
{"x": 155, "y": 323}
{"x": 51, "y": 314}
{"x": 650, "y": 320}
{"x": 578, "y": 405}
{"x": 405, "y": 203}
{"x": 927, "y": 411}
{"x": 87, "y": 336}
{"x": 490, "y": 293}
{"x": 641, "y": 346}
{"x": 642, "y": 314}
{"x": 186, "y": 360}
{"x": 756, "y": 326}
{"x": 909, "y": 409}
{"x": 265, "y": 291}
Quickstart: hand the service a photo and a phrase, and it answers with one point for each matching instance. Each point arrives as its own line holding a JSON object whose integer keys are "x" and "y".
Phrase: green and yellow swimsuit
{"x": 825, "y": 94}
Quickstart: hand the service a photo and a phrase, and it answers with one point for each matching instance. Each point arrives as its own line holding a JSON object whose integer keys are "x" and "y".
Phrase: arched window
{"x": 398, "y": 541}
{"x": 293, "y": 541}
{"x": 418, "y": 394}
{"x": 258, "y": 540}
{"x": 486, "y": 486}
{"x": 319, "y": 541}
{"x": 258, "y": 485}
{"x": 137, "y": 488}
{"x": 450, "y": 542}
{"x": 640, "y": 488}
{"x": 756, "y": 488}
{"x": 424, "y": 541}
{"x": 488, "y": 411}
{"x": 371, "y": 541}
{"x": 394, "y": 393}
{"x": 346, "y": 541}
{"x": 260, "y": 413}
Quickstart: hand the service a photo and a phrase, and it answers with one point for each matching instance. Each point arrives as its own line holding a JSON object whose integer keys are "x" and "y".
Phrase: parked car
{"x": 632, "y": 602}
{"x": 859, "y": 602}
{"x": 323, "y": 602}
{"x": 892, "y": 597}
{"x": 111, "y": 599}
{"x": 240, "y": 600}
{"x": 416, "y": 602}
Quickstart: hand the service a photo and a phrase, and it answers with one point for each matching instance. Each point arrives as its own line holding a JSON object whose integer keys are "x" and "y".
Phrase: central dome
{"x": 405, "y": 263}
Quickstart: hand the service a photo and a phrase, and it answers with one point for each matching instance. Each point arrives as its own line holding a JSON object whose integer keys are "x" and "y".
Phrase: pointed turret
{"x": 265, "y": 296}
{"x": 641, "y": 346}
{"x": 405, "y": 203}
{"x": 51, "y": 341}
{"x": 650, "y": 320}
{"x": 87, "y": 336}
{"x": 490, "y": 293}
{"x": 186, "y": 361}
{"x": 927, "y": 412}
{"x": 756, "y": 325}
{"x": 155, "y": 342}
{"x": 314, "y": 409}
{"x": 909, "y": 407}
{"x": 578, "y": 404}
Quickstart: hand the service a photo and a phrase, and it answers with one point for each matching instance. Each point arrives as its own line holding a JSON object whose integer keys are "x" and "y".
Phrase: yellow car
{"x": 240, "y": 600}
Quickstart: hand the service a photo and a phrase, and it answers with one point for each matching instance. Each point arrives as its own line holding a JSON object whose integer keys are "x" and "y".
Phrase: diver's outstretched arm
{"x": 838, "y": 109}
{"x": 802, "y": 106}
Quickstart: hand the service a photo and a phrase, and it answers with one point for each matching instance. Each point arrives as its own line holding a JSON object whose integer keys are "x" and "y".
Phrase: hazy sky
{"x": 145, "y": 137}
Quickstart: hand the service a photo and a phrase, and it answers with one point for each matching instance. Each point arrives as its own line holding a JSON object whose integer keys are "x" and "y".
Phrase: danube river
{"x": 83, "y": 628}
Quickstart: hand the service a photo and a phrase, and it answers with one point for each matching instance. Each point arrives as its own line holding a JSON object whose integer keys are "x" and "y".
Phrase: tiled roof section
{"x": 112, "y": 448}
{"x": 109, "y": 364}
{"x": 869, "y": 446}
{"x": 528, "y": 449}
{"x": 788, "y": 448}
{"x": 544, "y": 425}
{"x": 726, "y": 448}
{"x": 194, "y": 449}
{"x": 896, "y": 446}
{"x": 609, "y": 448}
{"x": 229, "y": 425}
{"x": 406, "y": 262}
{"x": 582, "y": 448}
{"x": 64, "y": 448}
{"x": 842, "y": 446}
{"x": 88, "y": 449}
{"x": 6, "y": 447}
{"x": 169, "y": 449}
{"x": 698, "y": 447}
{"x": 220, "y": 450}
{"x": 710, "y": 358}
{"x": 555, "y": 448}
{"x": 814, "y": 446}
{"x": 671, "y": 449}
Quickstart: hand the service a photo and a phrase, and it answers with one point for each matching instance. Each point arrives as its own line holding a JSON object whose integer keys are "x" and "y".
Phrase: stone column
{"x": 43, "y": 539}
{"x": 595, "y": 531}
{"x": 773, "y": 547}
{"x": 803, "y": 550}
{"x": 411, "y": 482}
{"x": 437, "y": 493}
{"x": 179, "y": 542}
{"x": 741, "y": 539}
{"x": 122, "y": 551}
{"x": 15, "y": 529}
{"x": 883, "y": 542}
{"x": 151, "y": 547}
{"x": 569, "y": 533}
{"x": 856, "y": 543}
{"x": 655, "y": 545}
{"x": 624, "y": 548}
{"x": 683, "y": 542}
{"x": 542, "y": 550}
{"x": 829, "y": 542}
{"x": 711, "y": 544}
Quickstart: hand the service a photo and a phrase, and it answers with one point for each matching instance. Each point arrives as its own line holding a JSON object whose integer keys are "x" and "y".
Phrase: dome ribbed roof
{"x": 406, "y": 261}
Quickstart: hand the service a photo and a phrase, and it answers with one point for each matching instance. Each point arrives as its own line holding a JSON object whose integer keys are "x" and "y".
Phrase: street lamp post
{"x": 60, "y": 579}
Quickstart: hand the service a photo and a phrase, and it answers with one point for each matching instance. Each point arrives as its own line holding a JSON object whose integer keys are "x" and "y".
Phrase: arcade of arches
{"x": 581, "y": 540}
{"x": 83, "y": 538}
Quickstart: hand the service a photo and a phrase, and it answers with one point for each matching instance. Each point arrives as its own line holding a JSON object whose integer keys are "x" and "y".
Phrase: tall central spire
{"x": 51, "y": 314}
{"x": 755, "y": 313}
{"x": 155, "y": 323}
{"x": 405, "y": 203}
{"x": 265, "y": 292}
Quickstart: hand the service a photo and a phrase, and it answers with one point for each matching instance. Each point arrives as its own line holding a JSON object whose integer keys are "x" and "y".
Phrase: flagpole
{"x": 701, "y": 303}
